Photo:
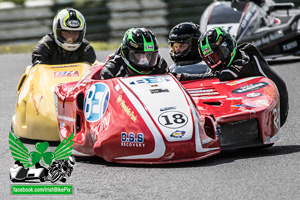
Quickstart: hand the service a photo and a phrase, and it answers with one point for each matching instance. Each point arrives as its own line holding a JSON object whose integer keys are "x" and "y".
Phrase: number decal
{"x": 96, "y": 102}
{"x": 173, "y": 119}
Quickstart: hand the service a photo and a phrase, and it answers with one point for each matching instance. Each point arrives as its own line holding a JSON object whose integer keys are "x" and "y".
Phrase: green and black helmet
{"x": 139, "y": 50}
{"x": 217, "y": 48}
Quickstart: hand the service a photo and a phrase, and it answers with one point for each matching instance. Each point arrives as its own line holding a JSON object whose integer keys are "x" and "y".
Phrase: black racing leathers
{"x": 116, "y": 67}
{"x": 48, "y": 52}
{"x": 249, "y": 62}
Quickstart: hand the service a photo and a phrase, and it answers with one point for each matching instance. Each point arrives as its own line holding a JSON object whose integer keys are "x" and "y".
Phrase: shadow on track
{"x": 223, "y": 157}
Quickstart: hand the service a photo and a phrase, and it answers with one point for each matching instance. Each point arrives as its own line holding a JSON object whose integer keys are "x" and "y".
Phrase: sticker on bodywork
{"x": 96, "y": 102}
{"x": 66, "y": 74}
{"x": 251, "y": 87}
{"x": 173, "y": 119}
{"x": 178, "y": 134}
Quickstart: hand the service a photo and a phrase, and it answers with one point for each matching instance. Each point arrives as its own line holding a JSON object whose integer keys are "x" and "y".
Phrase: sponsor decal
{"x": 66, "y": 74}
{"x": 258, "y": 103}
{"x": 178, "y": 134}
{"x": 69, "y": 119}
{"x": 36, "y": 102}
{"x": 206, "y": 50}
{"x": 234, "y": 98}
{"x": 48, "y": 166}
{"x": 96, "y": 102}
{"x": 290, "y": 45}
{"x": 248, "y": 17}
{"x": 199, "y": 91}
{"x": 159, "y": 90}
{"x": 168, "y": 108}
{"x": 73, "y": 23}
{"x": 173, "y": 119}
{"x": 126, "y": 108}
{"x": 205, "y": 94}
{"x": 244, "y": 105}
{"x": 269, "y": 38}
{"x": 253, "y": 95}
{"x": 150, "y": 80}
{"x": 63, "y": 66}
{"x": 239, "y": 81}
{"x": 251, "y": 87}
{"x": 213, "y": 97}
{"x": 101, "y": 126}
{"x": 254, "y": 104}
{"x": 132, "y": 140}
{"x": 149, "y": 47}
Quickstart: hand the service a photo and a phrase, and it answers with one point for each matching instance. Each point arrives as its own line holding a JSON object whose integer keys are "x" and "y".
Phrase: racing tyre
{"x": 266, "y": 146}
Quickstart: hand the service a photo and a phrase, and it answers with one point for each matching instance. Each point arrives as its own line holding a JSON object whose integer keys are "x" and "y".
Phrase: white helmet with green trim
{"x": 69, "y": 21}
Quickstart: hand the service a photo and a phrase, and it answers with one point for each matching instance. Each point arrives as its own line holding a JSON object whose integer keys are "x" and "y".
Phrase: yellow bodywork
{"x": 35, "y": 116}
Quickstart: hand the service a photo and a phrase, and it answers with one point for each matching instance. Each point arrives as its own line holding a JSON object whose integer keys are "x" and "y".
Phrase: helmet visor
{"x": 217, "y": 56}
{"x": 143, "y": 59}
{"x": 69, "y": 37}
{"x": 180, "y": 47}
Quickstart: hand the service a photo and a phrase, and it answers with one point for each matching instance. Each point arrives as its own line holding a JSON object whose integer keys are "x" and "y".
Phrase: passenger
{"x": 227, "y": 62}
{"x": 67, "y": 43}
{"x": 137, "y": 55}
{"x": 183, "y": 42}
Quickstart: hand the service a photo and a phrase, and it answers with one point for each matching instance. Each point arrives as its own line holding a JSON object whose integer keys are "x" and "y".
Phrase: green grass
{"x": 28, "y": 48}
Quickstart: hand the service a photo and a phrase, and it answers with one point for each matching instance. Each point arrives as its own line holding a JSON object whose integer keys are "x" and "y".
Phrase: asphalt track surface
{"x": 272, "y": 173}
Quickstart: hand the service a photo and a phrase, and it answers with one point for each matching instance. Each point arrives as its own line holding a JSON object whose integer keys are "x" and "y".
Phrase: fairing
{"x": 35, "y": 116}
{"x": 154, "y": 119}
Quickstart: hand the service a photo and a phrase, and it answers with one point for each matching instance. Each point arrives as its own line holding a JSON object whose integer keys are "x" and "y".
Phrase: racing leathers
{"x": 48, "y": 52}
{"x": 248, "y": 62}
{"x": 115, "y": 66}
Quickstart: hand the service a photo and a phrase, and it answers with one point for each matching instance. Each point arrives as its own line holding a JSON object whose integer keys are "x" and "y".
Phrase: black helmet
{"x": 186, "y": 34}
{"x": 139, "y": 50}
{"x": 217, "y": 48}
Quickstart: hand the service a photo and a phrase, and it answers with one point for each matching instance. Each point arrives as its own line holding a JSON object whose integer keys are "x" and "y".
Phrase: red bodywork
{"x": 129, "y": 129}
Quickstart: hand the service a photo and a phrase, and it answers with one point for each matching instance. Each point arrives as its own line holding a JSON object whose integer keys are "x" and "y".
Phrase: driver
{"x": 66, "y": 44}
{"x": 137, "y": 55}
{"x": 227, "y": 62}
{"x": 183, "y": 43}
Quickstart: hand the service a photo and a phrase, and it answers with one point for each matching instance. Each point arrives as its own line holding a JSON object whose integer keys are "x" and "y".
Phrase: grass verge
{"x": 28, "y": 48}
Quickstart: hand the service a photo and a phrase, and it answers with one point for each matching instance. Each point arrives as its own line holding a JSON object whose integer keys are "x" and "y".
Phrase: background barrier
{"x": 107, "y": 20}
